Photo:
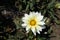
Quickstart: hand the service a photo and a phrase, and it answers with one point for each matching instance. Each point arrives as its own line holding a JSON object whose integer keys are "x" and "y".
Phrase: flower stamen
{"x": 33, "y": 22}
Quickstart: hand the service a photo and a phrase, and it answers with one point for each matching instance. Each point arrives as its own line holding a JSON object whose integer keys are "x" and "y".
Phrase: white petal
{"x": 27, "y": 28}
{"x": 23, "y": 20}
{"x": 39, "y": 16}
{"x": 36, "y": 12}
{"x": 27, "y": 31}
{"x": 43, "y": 27}
{"x": 38, "y": 32}
{"x": 31, "y": 12}
{"x": 33, "y": 30}
{"x": 24, "y": 25}
{"x": 26, "y": 15}
{"x": 39, "y": 28}
{"x": 31, "y": 15}
{"x": 42, "y": 23}
{"x": 39, "y": 13}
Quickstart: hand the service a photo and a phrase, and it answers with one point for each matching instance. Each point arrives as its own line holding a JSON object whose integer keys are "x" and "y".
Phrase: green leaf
{"x": 51, "y": 4}
{"x": 27, "y": 7}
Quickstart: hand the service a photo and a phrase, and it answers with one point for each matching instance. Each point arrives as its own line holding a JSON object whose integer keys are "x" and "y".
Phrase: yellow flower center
{"x": 33, "y": 22}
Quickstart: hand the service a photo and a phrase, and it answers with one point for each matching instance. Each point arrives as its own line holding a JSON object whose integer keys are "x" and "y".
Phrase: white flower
{"x": 33, "y": 22}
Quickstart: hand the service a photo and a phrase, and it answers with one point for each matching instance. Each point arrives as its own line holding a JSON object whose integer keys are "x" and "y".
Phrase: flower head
{"x": 33, "y": 22}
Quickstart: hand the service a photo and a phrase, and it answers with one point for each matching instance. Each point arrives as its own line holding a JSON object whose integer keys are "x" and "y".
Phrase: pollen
{"x": 33, "y": 22}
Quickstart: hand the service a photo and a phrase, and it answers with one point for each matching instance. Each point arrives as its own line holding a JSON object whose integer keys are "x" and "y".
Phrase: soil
{"x": 56, "y": 32}
{"x": 56, "y": 29}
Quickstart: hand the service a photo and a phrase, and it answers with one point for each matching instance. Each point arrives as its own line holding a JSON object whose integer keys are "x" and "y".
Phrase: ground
{"x": 56, "y": 29}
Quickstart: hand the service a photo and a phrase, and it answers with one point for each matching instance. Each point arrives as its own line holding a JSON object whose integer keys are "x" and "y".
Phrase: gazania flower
{"x": 33, "y": 22}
